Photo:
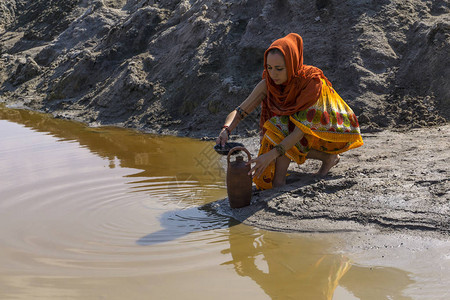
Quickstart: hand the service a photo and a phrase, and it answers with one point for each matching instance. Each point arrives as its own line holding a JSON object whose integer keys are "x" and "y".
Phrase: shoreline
{"x": 386, "y": 234}
{"x": 396, "y": 181}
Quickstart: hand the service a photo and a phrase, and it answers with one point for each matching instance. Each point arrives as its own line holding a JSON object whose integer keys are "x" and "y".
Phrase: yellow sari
{"x": 329, "y": 126}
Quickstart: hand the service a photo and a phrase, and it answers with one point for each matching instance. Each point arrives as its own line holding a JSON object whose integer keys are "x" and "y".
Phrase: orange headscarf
{"x": 302, "y": 88}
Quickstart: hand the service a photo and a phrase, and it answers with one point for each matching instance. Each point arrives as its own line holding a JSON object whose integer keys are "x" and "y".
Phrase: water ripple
{"x": 66, "y": 211}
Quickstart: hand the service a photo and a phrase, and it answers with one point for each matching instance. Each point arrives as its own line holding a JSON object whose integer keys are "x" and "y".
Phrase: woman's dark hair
{"x": 275, "y": 51}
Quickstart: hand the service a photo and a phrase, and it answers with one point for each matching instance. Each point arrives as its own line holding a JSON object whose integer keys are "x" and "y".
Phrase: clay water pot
{"x": 239, "y": 183}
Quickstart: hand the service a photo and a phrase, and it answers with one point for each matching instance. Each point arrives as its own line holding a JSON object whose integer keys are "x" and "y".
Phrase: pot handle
{"x": 236, "y": 149}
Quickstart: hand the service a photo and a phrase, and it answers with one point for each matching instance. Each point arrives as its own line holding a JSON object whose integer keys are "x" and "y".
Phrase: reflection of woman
{"x": 302, "y": 115}
{"x": 292, "y": 268}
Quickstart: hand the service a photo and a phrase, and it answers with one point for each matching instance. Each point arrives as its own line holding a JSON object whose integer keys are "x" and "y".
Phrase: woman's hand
{"x": 262, "y": 162}
{"x": 222, "y": 138}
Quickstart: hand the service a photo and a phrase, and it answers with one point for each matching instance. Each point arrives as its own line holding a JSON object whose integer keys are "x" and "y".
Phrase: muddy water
{"x": 107, "y": 213}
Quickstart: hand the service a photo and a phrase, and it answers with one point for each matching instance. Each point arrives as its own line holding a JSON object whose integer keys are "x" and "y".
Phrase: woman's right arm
{"x": 249, "y": 104}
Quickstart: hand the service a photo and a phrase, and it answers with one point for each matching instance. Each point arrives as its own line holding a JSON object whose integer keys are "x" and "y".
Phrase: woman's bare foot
{"x": 327, "y": 164}
{"x": 281, "y": 166}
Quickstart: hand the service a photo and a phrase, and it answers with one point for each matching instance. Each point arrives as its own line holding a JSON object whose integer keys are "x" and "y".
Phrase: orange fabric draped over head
{"x": 302, "y": 88}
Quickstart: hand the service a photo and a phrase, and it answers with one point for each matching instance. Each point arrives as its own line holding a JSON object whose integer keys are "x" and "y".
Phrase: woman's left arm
{"x": 262, "y": 161}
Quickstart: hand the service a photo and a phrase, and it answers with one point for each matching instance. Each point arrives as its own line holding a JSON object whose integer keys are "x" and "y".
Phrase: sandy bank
{"x": 397, "y": 180}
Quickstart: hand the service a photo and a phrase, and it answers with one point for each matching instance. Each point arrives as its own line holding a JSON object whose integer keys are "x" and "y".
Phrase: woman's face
{"x": 277, "y": 68}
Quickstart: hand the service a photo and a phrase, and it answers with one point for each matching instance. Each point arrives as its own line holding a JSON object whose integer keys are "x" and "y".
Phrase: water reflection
{"x": 291, "y": 266}
{"x": 172, "y": 167}
{"x": 286, "y": 268}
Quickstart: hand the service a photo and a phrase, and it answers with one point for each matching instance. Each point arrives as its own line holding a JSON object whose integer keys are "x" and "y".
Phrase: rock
{"x": 7, "y": 14}
{"x": 27, "y": 69}
{"x": 364, "y": 119}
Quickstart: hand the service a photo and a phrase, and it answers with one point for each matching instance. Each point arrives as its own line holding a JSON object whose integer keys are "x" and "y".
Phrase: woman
{"x": 301, "y": 116}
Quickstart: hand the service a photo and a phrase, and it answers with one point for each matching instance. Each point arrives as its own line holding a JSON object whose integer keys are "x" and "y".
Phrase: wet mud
{"x": 396, "y": 181}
